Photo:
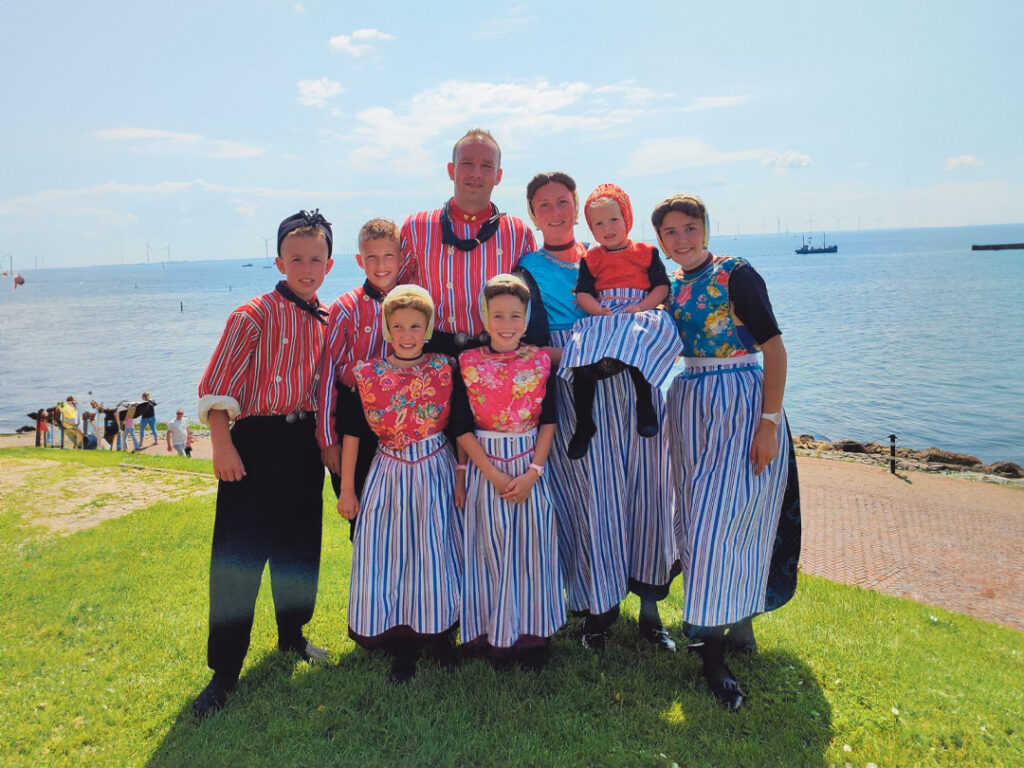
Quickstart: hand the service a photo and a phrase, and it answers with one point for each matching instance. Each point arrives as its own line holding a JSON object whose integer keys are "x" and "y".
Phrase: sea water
{"x": 902, "y": 331}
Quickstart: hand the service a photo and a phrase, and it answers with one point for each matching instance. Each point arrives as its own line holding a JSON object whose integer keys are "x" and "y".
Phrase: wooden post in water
{"x": 892, "y": 454}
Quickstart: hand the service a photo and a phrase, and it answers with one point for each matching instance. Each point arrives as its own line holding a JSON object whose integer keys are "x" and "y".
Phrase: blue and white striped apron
{"x": 407, "y": 545}
{"x": 512, "y": 585}
{"x": 615, "y": 505}
{"x": 728, "y": 515}
{"x": 645, "y": 340}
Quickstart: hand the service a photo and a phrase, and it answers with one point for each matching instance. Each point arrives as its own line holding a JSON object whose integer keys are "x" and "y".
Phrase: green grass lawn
{"x": 103, "y": 650}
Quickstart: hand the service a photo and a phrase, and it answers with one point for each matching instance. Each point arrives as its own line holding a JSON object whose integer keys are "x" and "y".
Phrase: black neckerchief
{"x": 313, "y": 307}
{"x": 372, "y": 291}
{"x": 487, "y": 229}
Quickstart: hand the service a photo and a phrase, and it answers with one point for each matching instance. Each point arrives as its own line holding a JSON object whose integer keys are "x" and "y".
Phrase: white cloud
{"x": 315, "y": 93}
{"x": 357, "y": 44}
{"x": 299, "y": 8}
{"x": 955, "y": 162}
{"x": 160, "y": 142}
{"x": 667, "y": 155}
{"x": 783, "y": 161}
{"x": 515, "y": 111}
{"x": 714, "y": 102}
{"x": 514, "y": 19}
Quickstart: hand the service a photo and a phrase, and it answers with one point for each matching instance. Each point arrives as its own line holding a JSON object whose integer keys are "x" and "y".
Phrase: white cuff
{"x": 222, "y": 402}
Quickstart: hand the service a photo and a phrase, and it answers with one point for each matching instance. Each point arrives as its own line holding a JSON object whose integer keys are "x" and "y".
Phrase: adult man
{"x": 454, "y": 250}
{"x": 177, "y": 433}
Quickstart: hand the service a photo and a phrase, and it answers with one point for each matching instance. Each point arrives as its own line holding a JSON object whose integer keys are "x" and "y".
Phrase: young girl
{"x": 512, "y": 594}
{"x": 621, "y": 285}
{"x": 406, "y": 547}
{"x": 733, "y": 462}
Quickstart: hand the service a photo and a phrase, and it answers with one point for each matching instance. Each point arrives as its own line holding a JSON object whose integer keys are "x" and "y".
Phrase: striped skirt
{"x": 615, "y": 505}
{"x": 647, "y": 340}
{"x": 512, "y": 586}
{"x": 728, "y": 516}
{"x": 406, "y": 548}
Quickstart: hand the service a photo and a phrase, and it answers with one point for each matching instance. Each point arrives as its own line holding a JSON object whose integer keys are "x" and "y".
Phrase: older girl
{"x": 732, "y": 455}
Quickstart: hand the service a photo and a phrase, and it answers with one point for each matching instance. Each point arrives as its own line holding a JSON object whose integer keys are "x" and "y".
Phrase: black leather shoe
{"x": 533, "y": 659}
{"x": 403, "y": 668}
{"x": 659, "y": 636}
{"x": 725, "y": 688}
{"x": 306, "y": 651}
{"x": 212, "y": 698}
{"x": 593, "y": 641}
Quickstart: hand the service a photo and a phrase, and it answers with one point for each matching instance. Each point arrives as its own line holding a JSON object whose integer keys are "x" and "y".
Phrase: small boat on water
{"x": 806, "y": 246}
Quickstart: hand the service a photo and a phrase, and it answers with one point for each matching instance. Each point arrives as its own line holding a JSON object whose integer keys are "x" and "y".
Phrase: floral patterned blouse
{"x": 721, "y": 310}
{"x": 507, "y": 391}
{"x": 403, "y": 405}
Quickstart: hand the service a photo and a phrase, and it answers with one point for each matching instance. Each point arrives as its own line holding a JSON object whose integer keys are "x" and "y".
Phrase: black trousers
{"x": 274, "y": 514}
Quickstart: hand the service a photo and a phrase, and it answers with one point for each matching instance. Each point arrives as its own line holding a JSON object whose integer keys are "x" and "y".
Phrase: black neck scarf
{"x": 313, "y": 307}
{"x": 487, "y": 229}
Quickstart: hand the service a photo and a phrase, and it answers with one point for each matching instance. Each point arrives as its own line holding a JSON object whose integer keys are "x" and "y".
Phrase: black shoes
{"x": 403, "y": 667}
{"x": 446, "y": 654}
{"x": 657, "y": 635}
{"x": 719, "y": 678}
{"x": 593, "y": 641}
{"x": 306, "y": 651}
{"x": 533, "y": 659}
{"x": 212, "y": 698}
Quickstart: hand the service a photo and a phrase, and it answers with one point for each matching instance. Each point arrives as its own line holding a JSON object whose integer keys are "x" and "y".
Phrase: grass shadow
{"x": 631, "y": 705}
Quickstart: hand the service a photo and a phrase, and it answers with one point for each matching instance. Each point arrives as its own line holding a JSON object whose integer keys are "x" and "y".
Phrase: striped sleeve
{"x": 224, "y": 380}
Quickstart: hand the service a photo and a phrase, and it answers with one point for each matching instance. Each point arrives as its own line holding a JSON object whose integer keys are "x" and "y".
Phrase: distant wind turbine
{"x": 147, "y": 251}
{"x": 266, "y": 246}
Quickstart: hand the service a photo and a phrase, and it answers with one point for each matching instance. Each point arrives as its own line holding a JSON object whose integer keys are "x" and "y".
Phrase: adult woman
{"x": 614, "y": 506}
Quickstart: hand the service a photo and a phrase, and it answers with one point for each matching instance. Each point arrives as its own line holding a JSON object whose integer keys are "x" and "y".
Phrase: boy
{"x": 269, "y": 500}
{"x": 354, "y": 334}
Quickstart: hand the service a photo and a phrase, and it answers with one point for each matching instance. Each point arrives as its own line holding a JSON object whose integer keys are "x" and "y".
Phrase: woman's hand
{"x": 348, "y": 505}
{"x": 518, "y": 489}
{"x": 765, "y": 446}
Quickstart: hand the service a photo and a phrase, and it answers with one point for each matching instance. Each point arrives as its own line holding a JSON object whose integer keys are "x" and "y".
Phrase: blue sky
{"x": 199, "y": 126}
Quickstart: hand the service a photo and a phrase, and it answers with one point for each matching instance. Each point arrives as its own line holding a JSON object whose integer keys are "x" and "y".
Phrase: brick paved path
{"x": 947, "y": 541}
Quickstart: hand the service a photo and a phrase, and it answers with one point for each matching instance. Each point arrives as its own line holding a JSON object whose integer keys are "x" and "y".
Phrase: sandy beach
{"x": 926, "y": 536}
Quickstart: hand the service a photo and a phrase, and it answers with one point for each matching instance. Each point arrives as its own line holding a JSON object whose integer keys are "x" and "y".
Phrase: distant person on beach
{"x": 614, "y": 506}
{"x": 128, "y": 430}
{"x": 621, "y": 286}
{"x": 177, "y": 433}
{"x": 355, "y": 333}
{"x": 406, "y": 549}
{"x": 147, "y": 415}
{"x": 737, "y": 495}
{"x": 454, "y": 250}
{"x": 270, "y": 495}
{"x": 503, "y": 419}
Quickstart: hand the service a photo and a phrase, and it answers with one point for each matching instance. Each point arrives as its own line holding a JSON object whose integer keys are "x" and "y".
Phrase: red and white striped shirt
{"x": 265, "y": 361}
{"x": 354, "y": 334}
{"x": 455, "y": 278}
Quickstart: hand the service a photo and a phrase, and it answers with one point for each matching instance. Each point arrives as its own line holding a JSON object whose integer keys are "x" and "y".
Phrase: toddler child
{"x": 505, "y": 422}
{"x": 620, "y": 285}
{"x": 406, "y": 545}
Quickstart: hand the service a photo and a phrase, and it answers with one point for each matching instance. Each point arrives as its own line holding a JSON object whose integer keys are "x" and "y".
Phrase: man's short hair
{"x": 477, "y": 134}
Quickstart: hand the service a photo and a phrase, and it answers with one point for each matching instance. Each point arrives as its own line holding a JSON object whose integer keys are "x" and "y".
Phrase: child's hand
{"x": 460, "y": 490}
{"x": 331, "y": 457}
{"x": 601, "y": 310}
{"x": 518, "y": 490}
{"x": 499, "y": 480}
{"x": 765, "y": 446}
{"x": 227, "y": 464}
{"x": 632, "y": 308}
{"x": 348, "y": 505}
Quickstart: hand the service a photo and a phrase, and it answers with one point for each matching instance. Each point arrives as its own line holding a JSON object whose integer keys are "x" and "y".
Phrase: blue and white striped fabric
{"x": 645, "y": 340}
{"x": 407, "y": 545}
{"x": 615, "y": 505}
{"x": 729, "y": 516}
{"x": 512, "y": 585}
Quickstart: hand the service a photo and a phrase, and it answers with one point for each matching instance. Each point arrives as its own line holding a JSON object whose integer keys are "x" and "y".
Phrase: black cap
{"x": 305, "y": 219}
